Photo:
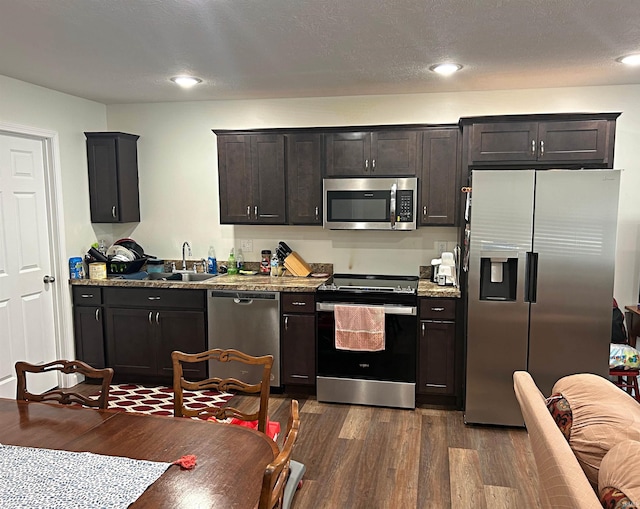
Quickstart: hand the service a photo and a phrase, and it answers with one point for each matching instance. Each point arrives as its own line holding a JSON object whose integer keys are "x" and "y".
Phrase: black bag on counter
{"x": 618, "y": 331}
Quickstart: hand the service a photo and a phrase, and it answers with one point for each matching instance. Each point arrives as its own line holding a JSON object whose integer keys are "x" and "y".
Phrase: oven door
{"x": 396, "y": 363}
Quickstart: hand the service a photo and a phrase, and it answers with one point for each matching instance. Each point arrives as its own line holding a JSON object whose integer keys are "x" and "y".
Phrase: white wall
{"x": 179, "y": 183}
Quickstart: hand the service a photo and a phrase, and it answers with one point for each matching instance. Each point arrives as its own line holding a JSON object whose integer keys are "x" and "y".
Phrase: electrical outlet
{"x": 247, "y": 246}
{"x": 441, "y": 246}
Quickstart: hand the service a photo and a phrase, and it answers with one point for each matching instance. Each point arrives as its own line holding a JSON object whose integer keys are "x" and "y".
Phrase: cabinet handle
{"x": 423, "y": 327}
{"x": 317, "y": 212}
{"x": 97, "y": 314}
{"x": 153, "y": 298}
{"x": 297, "y": 303}
{"x": 439, "y": 386}
{"x": 366, "y": 164}
{"x": 533, "y": 147}
{"x": 269, "y": 215}
{"x": 113, "y": 211}
{"x": 286, "y": 323}
{"x": 255, "y": 212}
{"x": 424, "y": 210}
{"x": 300, "y": 376}
{"x": 87, "y": 296}
{"x": 541, "y": 148}
{"x": 373, "y": 165}
{"x": 248, "y": 211}
{"x": 438, "y": 310}
{"x": 150, "y": 315}
{"x": 158, "y": 318}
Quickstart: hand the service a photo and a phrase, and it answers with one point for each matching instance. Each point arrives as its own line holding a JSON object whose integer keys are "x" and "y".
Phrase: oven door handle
{"x": 389, "y": 309}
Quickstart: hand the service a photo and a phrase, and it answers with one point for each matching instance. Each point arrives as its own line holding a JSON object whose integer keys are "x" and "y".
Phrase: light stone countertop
{"x": 428, "y": 289}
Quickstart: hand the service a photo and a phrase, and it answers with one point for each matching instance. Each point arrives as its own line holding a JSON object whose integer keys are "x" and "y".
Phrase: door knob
{"x": 49, "y": 279}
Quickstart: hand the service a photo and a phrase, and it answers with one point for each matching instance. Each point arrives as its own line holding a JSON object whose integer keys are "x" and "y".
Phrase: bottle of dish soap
{"x": 212, "y": 263}
{"x": 231, "y": 264}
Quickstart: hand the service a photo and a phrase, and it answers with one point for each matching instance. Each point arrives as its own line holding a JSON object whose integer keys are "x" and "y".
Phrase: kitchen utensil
{"x": 97, "y": 255}
{"x": 287, "y": 250}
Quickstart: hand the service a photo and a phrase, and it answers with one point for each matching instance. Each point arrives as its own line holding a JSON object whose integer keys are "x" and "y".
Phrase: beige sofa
{"x": 602, "y": 453}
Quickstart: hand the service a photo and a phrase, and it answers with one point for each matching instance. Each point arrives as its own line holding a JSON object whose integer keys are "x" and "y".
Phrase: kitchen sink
{"x": 179, "y": 276}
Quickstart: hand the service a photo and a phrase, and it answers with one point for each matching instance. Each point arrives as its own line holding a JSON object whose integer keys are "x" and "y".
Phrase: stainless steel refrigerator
{"x": 540, "y": 282}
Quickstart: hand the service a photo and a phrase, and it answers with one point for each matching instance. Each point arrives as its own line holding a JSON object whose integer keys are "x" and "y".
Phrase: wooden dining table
{"x": 230, "y": 459}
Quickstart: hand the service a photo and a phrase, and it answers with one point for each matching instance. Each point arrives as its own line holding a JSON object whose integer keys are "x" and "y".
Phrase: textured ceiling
{"x": 124, "y": 51}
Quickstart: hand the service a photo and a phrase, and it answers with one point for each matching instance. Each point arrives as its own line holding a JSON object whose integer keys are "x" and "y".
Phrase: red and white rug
{"x": 159, "y": 400}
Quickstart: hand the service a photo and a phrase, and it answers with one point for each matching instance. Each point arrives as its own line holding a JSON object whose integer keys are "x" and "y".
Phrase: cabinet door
{"x": 131, "y": 341}
{"x": 89, "y": 335}
{"x": 577, "y": 140}
{"x": 304, "y": 176}
{"x": 267, "y": 179}
{"x": 184, "y": 331}
{"x": 436, "y": 364}
{"x": 348, "y": 154}
{"x": 112, "y": 160}
{"x": 503, "y": 141}
{"x": 394, "y": 153}
{"x": 439, "y": 177}
{"x": 298, "y": 349}
{"x": 234, "y": 177}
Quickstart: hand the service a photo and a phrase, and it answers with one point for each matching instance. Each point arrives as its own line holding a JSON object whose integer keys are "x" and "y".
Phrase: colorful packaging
{"x": 76, "y": 268}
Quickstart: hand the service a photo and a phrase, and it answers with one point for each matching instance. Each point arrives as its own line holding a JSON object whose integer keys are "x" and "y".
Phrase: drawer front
{"x": 155, "y": 298}
{"x": 438, "y": 309}
{"x": 297, "y": 303}
{"x": 87, "y": 295}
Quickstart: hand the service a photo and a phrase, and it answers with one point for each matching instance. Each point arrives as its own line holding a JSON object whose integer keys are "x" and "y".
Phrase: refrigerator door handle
{"x": 531, "y": 277}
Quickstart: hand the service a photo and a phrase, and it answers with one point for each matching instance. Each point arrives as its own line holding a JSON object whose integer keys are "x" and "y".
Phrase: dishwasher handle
{"x": 244, "y": 296}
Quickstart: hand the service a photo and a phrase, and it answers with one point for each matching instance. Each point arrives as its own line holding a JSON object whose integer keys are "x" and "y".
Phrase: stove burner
{"x": 360, "y": 283}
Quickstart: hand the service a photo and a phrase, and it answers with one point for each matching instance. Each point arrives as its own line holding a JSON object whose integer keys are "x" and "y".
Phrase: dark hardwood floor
{"x": 360, "y": 457}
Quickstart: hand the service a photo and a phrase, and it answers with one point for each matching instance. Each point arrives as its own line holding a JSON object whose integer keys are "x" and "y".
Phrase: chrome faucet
{"x": 184, "y": 258}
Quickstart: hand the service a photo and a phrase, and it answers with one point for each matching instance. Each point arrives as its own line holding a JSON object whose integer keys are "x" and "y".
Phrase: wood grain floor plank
{"x": 434, "y": 488}
{"x": 500, "y": 497}
{"x": 355, "y": 425}
{"x": 467, "y": 489}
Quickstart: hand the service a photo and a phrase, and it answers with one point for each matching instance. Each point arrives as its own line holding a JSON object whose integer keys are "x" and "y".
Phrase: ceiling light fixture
{"x": 630, "y": 59}
{"x": 186, "y": 81}
{"x": 445, "y": 69}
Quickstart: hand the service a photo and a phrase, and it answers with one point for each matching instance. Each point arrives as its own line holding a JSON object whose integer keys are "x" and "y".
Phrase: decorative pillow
{"x": 603, "y": 416}
{"x": 619, "y": 478}
{"x": 561, "y": 413}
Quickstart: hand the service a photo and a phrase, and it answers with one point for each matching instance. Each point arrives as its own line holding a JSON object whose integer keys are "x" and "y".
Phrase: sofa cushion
{"x": 620, "y": 473}
{"x": 561, "y": 413}
{"x": 603, "y": 415}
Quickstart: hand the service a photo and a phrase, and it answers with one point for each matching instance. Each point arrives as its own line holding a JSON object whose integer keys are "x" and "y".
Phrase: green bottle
{"x": 231, "y": 264}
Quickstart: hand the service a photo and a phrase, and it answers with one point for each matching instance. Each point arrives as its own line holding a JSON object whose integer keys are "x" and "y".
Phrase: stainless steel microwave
{"x": 370, "y": 203}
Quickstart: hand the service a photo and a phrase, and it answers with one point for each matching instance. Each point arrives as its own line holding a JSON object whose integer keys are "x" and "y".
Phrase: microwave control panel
{"x": 404, "y": 208}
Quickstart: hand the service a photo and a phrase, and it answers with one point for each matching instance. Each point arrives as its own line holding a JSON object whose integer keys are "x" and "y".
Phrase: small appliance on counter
{"x": 447, "y": 270}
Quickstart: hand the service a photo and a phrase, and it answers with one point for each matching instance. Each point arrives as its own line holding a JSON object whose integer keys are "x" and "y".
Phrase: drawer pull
{"x": 153, "y": 298}
{"x": 296, "y": 303}
{"x": 437, "y": 309}
{"x": 439, "y": 386}
{"x": 300, "y": 376}
{"x": 87, "y": 296}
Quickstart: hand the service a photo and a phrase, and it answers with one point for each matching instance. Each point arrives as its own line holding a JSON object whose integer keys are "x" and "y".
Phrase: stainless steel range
{"x": 380, "y": 378}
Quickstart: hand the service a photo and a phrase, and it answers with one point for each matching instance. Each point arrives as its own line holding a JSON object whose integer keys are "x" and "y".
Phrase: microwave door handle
{"x": 392, "y": 205}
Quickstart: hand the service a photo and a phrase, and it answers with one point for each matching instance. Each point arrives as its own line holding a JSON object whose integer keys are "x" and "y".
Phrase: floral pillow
{"x": 561, "y": 413}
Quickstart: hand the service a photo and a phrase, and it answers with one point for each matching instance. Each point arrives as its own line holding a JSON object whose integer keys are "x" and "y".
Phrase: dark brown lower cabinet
{"x": 436, "y": 347}
{"x": 88, "y": 322}
{"x": 298, "y": 327}
{"x": 143, "y": 327}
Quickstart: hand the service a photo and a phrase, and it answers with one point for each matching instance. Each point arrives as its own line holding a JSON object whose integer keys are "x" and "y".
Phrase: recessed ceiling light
{"x": 445, "y": 69}
{"x": 630, "y": 59}
{"x": 186, "y": 81}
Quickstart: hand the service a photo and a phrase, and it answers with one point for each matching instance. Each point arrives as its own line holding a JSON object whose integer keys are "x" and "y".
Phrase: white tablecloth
{"x": 50, "y": 479}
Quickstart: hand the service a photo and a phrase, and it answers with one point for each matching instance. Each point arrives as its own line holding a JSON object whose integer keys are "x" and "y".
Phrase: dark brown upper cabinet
{"x": 304, "y": 178}
{"x": 545, "y": 141}
{"x": 252, "y": 179}
{"x": 371, "y": 153}
{"x": 439, "y": 177}
{"x": 112, "y": 159}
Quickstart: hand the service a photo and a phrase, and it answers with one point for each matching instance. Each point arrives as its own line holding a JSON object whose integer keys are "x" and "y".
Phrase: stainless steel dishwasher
{"x": 249, "y": 322}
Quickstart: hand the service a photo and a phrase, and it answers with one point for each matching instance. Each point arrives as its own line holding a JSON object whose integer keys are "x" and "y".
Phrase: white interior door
{"x": 26, "y": 303}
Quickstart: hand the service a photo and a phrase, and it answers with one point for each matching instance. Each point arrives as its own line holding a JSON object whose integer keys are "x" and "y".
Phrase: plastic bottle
{"x": 240, "y": 260}
{"x": 212, "y": 263}
{"x": 274, "y": 265}
{"x": 231, "y": 264}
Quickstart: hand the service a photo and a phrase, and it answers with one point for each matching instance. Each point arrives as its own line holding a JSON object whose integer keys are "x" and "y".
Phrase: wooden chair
{"x": 223, "y": 385}
{"x": 64, "y": 396}
{"x": 282, "y": 475}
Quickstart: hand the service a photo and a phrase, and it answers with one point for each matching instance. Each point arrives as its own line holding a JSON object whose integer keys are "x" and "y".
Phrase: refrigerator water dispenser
{"x": 498, "y": 278}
